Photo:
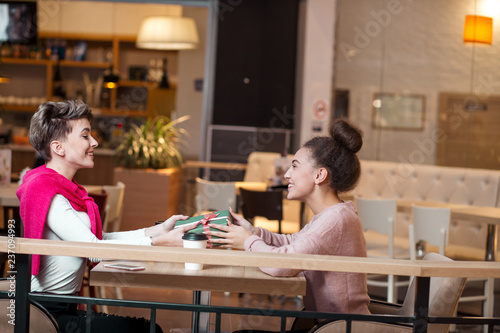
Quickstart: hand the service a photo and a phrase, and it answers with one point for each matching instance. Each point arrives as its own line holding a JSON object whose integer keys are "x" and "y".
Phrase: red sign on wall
{"x": 320, "y": 110}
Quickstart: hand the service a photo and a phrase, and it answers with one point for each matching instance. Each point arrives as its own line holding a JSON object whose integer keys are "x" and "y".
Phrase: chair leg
{"x": 390, "y": 288}
{"x": 102, "y": 294}
{"x": 489, "y": 292}
{"x": 453, "y": 327}
{"x": 488, "y": 305}
{"x": 118, "y": 292}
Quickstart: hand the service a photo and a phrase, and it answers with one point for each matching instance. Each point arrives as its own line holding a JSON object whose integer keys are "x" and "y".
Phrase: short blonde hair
{"x": 51, "y": 122}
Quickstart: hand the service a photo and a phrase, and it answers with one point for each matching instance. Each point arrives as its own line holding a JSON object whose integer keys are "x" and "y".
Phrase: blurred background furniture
{"x": 111, "y": 223}
{"x": 114, "y": 207}
{"x": 260, "y": 166}
{"x": 431, "y": 225}
{"x": 416, "y": 182}
{"x": 267, "y": 204}
{"x": 469, "y": 237}
{"x": 100, "y": 198}
{"x": 378, "y": 218}
{"x": 214, "y": 196}
{"x": 266, "y": 209}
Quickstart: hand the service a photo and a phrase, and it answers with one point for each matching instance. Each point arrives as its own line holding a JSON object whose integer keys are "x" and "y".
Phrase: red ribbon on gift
{"x": 205, "y": 221}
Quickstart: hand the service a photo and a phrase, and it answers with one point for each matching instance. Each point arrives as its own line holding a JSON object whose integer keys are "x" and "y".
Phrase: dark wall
{"x": 255, "y": 66}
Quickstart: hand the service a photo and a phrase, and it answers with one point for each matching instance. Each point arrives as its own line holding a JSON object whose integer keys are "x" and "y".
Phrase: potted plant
{"x": 149, "y": 164}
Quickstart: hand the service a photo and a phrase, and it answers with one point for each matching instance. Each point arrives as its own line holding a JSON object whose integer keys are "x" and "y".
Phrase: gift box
{"x": 220, "y": 217}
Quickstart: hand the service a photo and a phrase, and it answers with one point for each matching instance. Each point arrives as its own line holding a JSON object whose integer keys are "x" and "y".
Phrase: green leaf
{"x": 154, "y": 144}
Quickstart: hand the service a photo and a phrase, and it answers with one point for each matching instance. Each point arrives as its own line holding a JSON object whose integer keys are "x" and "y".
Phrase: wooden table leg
{"x": 491, "y": 242}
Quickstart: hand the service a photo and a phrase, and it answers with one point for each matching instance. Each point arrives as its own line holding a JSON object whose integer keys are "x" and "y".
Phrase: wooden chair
{"x": 379, "y": 216}
{"x": 111, "y": 223}
{"x": 268, "y": 204}
{"x": 114, "y": 207}
{"x": 443, "y": 300}
{"x": 101, "y": 200}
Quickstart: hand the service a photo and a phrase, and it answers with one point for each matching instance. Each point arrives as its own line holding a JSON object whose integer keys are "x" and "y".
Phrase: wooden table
{"x": 165, "y": 275}
{"x": 422, "y": 269}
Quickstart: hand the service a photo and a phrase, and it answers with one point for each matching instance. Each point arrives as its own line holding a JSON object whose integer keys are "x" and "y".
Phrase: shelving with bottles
{"x": 32, "y": 78}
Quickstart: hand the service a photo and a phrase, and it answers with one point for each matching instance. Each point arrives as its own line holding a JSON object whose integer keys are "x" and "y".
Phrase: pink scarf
{"x": 39, "y": 186}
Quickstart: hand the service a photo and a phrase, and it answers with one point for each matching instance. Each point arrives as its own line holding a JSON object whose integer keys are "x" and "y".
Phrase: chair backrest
{"x": 268, "y": 204}
{"x": 214, "y": 196}
{"x": 101, "y": 200}
{"x": 378, "y": 215}
{"x": 114, "y": 207}
{"x": 429, "y": 224}
{"x": 444, "y": 295}
{"x": 260, "y": 166}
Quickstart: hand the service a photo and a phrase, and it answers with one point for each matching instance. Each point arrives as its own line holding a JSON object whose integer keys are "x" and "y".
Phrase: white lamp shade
{"x": 167, "y": 33}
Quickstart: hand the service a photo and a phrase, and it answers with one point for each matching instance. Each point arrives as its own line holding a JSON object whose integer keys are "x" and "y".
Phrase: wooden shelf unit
{"x": 112, "y": 43}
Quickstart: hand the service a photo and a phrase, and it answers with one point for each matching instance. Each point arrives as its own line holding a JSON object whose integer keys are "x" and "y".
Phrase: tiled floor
{"x": 176, "y": 319}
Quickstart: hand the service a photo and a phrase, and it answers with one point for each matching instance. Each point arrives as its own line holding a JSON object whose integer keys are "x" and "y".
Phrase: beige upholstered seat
{"x": 444, "y": 294}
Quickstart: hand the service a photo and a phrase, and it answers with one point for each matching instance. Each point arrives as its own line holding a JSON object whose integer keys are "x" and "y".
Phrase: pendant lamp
{"x": 170, "y": 33}
{"x": 478, "y": 29}
{"x": 167, "y": 33}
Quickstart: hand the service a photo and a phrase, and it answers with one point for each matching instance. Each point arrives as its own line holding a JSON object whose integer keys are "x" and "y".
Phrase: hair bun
{"x": 347, "y": 135}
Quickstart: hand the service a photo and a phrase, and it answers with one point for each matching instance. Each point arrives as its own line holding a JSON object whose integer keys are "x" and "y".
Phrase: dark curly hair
{"x": 51, "y": 122}
{"x": 337, "y": 154}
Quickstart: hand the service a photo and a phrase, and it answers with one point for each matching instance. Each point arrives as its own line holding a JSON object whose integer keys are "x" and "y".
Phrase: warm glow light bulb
{"x": 110, "y": 85}
{"x": 490, "y": 8}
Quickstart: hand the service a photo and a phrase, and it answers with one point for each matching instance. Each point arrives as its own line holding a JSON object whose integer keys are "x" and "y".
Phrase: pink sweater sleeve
{"x": 327, "y": 233}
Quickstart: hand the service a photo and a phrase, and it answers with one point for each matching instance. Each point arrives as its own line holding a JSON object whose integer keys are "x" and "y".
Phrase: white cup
{"x": 194, "y": 241}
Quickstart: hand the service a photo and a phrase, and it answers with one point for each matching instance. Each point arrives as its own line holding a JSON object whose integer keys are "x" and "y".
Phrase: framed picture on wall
{"x": 398, "y": 111}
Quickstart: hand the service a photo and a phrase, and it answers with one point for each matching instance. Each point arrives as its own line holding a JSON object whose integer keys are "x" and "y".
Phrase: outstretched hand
{"x": 169, "y": 224}
{"x": 165, "y": 234}
{"x": 174, "y": 236}
{"x": 234, "y": 234}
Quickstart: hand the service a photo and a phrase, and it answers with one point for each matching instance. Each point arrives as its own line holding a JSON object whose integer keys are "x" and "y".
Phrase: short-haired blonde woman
{"x": 53, "y": 206}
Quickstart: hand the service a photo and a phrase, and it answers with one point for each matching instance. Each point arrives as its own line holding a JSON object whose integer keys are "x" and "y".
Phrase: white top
{"x": 62, "y": 274}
